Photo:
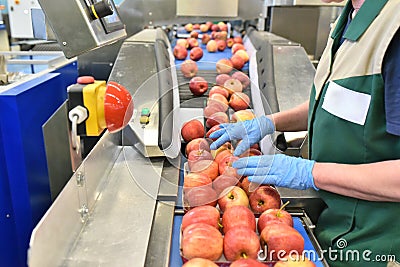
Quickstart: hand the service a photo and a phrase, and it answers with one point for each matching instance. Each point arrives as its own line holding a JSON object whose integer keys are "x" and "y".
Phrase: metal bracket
{"x": 80, "y": 179}
{"x": 84, "y": 211}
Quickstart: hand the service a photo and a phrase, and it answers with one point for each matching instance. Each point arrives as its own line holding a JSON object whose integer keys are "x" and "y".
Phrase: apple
{"x": 200, "y": 196}
{"x": 245, "y": 184}
{"x": 238, "y": 40}
{"x": 237, "y": 62}
{"x": 222, "y": 26}
{"x": 242, "y": 77}
{"x": 189, "y": 27}
{"x": 222, "y": 182}
{"x": 238, "y": 216}
{"x": 243, "y": 115}
{"x": 203, "y": 214}
{"x": 233, "y": 85}
{"x": 209, "y": 24}
{"x": 279, "y": 238}
{"x": 214, "y": 107}
{"x": 221, "y": 79}
{"x": 212, "y": 46}
{"x": 223, "y": 35}
{"x": 241, "y": 242}
{"x": 226, "y": 163}
{"x": 227, "y": 152}
{"x": 263, "y": 198}
{"x": 182, "y": 42}
{"x": 214, "y": 28}
{"x": 247, "y": 263}
{"x": 218, "y": 90}
{"x": 232, "y": 196}
{"x": 201, "y": 240}
{"x": 294, "y": 261}
{"x": 204, "y": 28}
{"x": 218, "y": 98}
{"x": 243, "y": 54}
{"x": 217, "y": 118}
{"x": 193, "y": 42}
{"x": 274, "y": 216}
{"x": 235, "y": 47}
{"x": 196, "y": 26}
{"x": 250, "y": 153}
{"x": 192, "y": 129}
{"x": 229, "y": 42}
{"x": 197, "y": 155}
{"x": 239, "y": 101}
{"x": 195, "y": 144}
{"x": 205, "y": 38}
{"x": 199, "y": 262}
{"x": 194, "y": 34}
{"x": 195, "y": 180}
{"x": 224, "y": 66}
{"x": 214, "y": 34}
{"x": 207, "y": 167}
{"x": 180, "y": 52}
{"x": 196, "y": 53}
{"x": 213, "y": 129}
{"x": 198, "y": 86}
{"x": 221, "y": 45}
{"x": 189, "y": 68}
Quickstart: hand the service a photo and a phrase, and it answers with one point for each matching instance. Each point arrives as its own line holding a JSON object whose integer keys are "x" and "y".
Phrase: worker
{"x": 353, "y": 123}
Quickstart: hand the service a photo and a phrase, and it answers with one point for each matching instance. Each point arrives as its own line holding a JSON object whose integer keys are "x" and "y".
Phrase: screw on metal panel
{"x": 64, "y": 43}
{"x": 8, "y": 216}
{"x": 80, "y": 179}
{"x": 84, "y": 211}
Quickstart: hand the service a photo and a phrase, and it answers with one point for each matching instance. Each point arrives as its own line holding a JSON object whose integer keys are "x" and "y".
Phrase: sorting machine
{"x": 123, "y": 204}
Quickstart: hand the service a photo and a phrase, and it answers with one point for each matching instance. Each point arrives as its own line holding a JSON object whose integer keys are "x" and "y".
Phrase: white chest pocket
{"x": 346, "y": 104}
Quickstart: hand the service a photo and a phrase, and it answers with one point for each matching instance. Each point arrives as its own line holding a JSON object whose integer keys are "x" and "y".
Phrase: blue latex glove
{"x": 250, "y": 132}
{"x": 279, "y": 170}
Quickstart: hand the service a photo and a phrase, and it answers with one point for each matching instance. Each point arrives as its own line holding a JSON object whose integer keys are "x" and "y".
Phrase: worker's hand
{"x": 279, "y": 170}
{"x": 250, "y": 132}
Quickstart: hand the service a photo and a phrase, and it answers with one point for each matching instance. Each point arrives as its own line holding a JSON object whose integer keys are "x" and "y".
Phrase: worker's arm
{"x": 378, "y": 181}
{"x": 292, "y": 120}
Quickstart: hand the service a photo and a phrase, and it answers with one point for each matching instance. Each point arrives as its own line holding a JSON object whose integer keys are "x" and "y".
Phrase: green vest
{"x": 362, "y": 232}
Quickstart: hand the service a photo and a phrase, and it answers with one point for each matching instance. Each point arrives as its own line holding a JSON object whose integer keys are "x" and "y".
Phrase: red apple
{"x": 198, "y": 143}
{"x": 213, "y": 129}
{"x": 227, "y": 152}
{"x": 214, "y": 107}
{"x": 221, "y": 79}
{"x": 237, "y": 62}
{"x": 198, "y": 86}
{"x": 212, "y": 46}
{"x": 192, "y": 180}
{"x": 207, "y": 167}
{"x": 204, "y": 28}
{"x": 214, "y": 34}
{"x": 222, "y": 26}
{"x": 242, "y": 77}
{"x": 223, "y": 35}
{"x": 241, "y": 242}
{"x": 229, "y": 42}
{"x": 201, "y": 240}
{"x": 295, "y": 261}
{"x": 215, "y": 27}
{"x": 205, "y": 38}
{"x": 221, "y": 45}
{"x": 222, "y": 182}
{"x": 274, "y": 216}
{"x": 243, "y": 115}
{"x": 278, "y": 237}
{"x": 182, "y": 42}
{"x": 199, "y": 262}
{"x": 226, "y": 163}
{"x": 189, "y": 27}
{"x": 203, "y": 214}
{"x": 245, "y": 184}
{"x": 239, "y": 101}
{"x": 250, "y": 153}
{"x": 194, "y": 34}
{"x": 243, "y": 54}
{"x": 224, "y": 66}
{"x": 192, "y": 129}
{"x": 232, "y": 196}
{"x": 209, "y": 24}
{"x": 196, "y": 53}
{"x": 180, "y": 52}
{"x": 233, "y": 85}
{"x": 238, "y": 216}
{"x": 197, "y": 155}
{"x": 217, "y": 118}
{"x": 196, "y": 26}
{"x": 193, "y": 42}
{"x": 238, "y": 40}
{"x": 200, "y": 196}
{"x": 247, "y": 263}
{"x": 236, "y": 47}
{"x": 218, "y": 90}
{"x": 189, "y": 68}
{"x": 218, "y": 97}
{"x": 263, "y": 198}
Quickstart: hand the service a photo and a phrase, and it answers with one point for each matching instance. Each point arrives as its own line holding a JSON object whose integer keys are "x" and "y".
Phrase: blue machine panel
{"x": 24, "y": 183}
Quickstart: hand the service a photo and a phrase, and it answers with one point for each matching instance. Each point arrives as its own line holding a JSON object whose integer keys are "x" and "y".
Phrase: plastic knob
{"x": 101, "y": 9}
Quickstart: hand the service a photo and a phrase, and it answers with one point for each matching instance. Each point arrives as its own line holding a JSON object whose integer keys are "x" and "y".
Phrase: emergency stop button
{"x": 85, "y": 80}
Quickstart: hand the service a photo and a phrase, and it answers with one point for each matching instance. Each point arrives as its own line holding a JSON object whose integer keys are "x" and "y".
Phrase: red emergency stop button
{"x": 118, "y": 106}
{"x": 85, "y": 80}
